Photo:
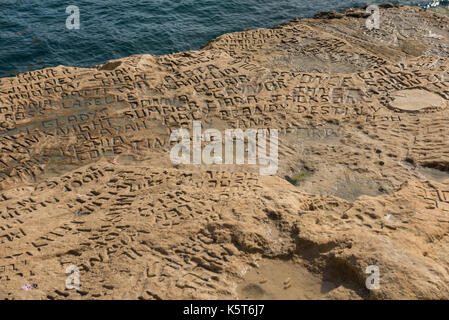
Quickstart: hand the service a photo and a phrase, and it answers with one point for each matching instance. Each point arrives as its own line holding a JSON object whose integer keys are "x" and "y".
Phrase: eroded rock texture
{"x": 86, "y": 178}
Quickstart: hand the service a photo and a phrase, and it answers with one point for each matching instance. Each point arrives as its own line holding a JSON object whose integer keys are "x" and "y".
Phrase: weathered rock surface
{"x": 86, "y": 178}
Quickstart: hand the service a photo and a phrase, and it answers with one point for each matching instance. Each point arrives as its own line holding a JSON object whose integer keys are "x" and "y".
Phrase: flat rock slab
{"x": 87, "y": 183}
{"x": 416, "y": 99}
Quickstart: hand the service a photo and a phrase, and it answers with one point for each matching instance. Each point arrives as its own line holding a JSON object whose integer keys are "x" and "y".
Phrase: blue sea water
{"x": 33, "y": 33}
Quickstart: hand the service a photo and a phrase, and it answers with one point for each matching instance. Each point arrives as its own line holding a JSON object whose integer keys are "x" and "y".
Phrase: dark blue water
{"x": 33, "y": 33}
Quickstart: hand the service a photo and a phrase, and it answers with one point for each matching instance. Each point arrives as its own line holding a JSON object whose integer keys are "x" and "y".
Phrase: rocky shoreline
{"x": 86, "y": 181}
{"x": 441, "y": 10}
